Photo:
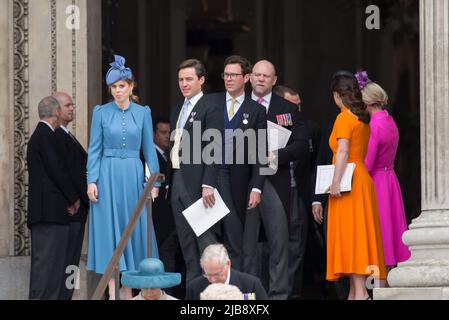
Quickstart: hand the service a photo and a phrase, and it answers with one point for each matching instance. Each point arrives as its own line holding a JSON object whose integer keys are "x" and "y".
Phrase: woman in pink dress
{"x": 379, "y": 161}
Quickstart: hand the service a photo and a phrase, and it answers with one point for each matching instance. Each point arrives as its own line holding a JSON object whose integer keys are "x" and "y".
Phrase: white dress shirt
{"x": 238, "y": 103}
{"x": 267, "y": 99}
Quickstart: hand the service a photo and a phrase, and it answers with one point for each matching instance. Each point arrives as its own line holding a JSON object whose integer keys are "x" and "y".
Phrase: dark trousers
{"x": 73, "y": 255}
{"x": 191, "y": 245}
{"x": 49, "y": 243}
{"x": 232, "y": 226}
{"x": 272, "y": 213}
{"x": 298, "y": 229}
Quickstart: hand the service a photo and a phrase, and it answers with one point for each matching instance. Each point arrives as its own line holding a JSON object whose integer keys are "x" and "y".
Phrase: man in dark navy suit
{"x": 52, "y": 201}
{"x": 74, "y": 158}
{"x": 240, "y": 177}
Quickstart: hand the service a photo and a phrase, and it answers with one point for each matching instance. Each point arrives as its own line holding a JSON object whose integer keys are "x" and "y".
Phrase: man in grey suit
{"x": 274, "y": 211}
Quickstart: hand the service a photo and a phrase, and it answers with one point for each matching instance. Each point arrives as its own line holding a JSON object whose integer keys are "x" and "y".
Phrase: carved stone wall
{"x": 45, "y": 46}
{"x": 20, "y": 125}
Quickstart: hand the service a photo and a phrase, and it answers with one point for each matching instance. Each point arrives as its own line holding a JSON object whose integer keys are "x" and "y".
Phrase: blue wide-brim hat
{"x": 118, "y": 71}
{"x": 151, "y": 275}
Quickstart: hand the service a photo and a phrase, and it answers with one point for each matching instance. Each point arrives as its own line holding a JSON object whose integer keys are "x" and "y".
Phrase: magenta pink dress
{"x": 379, "y": 161}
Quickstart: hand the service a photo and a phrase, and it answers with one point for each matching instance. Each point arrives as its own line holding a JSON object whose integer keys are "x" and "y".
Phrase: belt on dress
{"x": 387, "y": 168}
{"x": 121, "y": 153}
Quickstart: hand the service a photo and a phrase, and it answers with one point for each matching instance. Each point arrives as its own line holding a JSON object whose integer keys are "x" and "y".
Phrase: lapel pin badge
{"x": 246, "y": 117}
{"x": 192, "y": 117}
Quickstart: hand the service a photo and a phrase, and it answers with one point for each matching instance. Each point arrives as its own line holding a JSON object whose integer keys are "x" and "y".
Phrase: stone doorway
{"x": 307, "y": 41}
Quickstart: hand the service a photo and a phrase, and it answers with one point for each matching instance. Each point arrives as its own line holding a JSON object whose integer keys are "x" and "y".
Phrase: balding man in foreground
{"x": 216, "y": 267}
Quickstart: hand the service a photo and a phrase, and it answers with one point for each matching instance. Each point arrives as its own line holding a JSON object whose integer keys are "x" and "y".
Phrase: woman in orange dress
{"x": 354, "y": 241}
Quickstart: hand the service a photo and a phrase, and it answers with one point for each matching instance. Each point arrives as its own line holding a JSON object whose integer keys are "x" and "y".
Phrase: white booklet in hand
{"x": 277, "y": 136}
{"x": 202, "y": 219}
{"x": 325, "y": 174}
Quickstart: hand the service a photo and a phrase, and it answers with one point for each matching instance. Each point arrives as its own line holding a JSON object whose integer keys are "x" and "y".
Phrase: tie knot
{"x": 261, "y": 101}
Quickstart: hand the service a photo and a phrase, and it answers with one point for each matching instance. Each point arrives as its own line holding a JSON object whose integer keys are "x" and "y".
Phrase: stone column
{"x": 426, "y": 274}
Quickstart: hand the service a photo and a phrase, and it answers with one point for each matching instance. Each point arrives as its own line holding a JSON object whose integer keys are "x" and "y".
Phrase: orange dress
{"x": 354, "y": 239}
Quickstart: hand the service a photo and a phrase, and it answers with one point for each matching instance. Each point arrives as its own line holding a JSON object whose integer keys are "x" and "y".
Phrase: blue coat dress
{"x": 114, "y": 164}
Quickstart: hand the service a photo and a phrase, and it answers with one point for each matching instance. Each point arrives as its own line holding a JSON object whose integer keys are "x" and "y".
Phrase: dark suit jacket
{"x": 245, "y": 282}
{"x": 246, "y": 176}
{"x": 296, "y": 149}
{"x": 164, "y": 223}
{"x": 206, "y": 116}
{"x": 305, "y": 170}
{"x": 324, "y": 157}
{"x": 74, "y": 158}
{"x": 50, "y": 190}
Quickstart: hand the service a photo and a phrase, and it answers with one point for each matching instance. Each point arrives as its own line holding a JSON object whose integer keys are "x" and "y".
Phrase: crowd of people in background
{"x": 271, "y": 198}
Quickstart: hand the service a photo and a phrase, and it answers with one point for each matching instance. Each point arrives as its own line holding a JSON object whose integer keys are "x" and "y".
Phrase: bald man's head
{"x": 263, "y": 78}
{"x": 66, "y": 109}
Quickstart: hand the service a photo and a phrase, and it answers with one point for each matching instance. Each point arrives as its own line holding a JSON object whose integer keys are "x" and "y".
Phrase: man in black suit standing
{"x": 217, "y": 269}
{"x": 302, "y": 193}
{"x": 191, "y": 179}
{"x": 52, "y": 200}
{"x": 240, "y": 177}
{"x": 75, "y": 160}
{"x": 274, "y": 210}
{"x": 164, "y": 224}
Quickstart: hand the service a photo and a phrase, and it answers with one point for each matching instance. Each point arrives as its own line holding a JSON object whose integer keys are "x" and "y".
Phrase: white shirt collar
{"x": 194, "y": 100}
{"x": 159, "y": 149}
{"x": 49, "y": 125}
{"x": 228, "y": 279}
{"x": 267, "y": 99}
{"x": 240, "y": 99}
{"x": 64, "y": 128}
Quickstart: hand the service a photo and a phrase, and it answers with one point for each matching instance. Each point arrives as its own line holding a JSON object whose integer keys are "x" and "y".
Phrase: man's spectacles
{"x": 233, "y": 76}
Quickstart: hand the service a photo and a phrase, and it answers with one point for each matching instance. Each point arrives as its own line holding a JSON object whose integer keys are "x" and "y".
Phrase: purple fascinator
{"x": 362, "y": 79}
{"x": 118, "y": 71}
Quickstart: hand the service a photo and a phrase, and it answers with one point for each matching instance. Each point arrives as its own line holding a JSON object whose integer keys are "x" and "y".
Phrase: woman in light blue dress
{"x": 115, "y": 175}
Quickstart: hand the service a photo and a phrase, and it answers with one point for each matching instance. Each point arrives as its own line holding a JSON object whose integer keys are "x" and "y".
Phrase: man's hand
{"x": 317, "y": 211}
{"x": 254, "y": 200}
{"x": 92, "y": 192}
{"x": 208, "y": 197}
{"x": 73, "y": 209}
{"x": 271, "y": 157}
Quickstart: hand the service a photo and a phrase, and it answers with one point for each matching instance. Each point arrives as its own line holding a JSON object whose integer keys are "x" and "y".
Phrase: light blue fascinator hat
{"x": 151, "y": 275}
{"x": 118, "y": 71}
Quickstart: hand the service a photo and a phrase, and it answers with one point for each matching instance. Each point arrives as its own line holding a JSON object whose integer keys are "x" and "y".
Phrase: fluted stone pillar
{"x": 426, "y": 274}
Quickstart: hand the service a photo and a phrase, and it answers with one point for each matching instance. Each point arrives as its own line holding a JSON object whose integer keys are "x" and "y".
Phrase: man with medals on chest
{"x": 274, "y": 210}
